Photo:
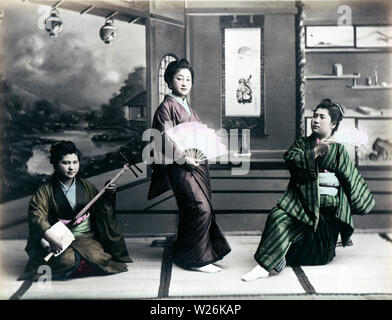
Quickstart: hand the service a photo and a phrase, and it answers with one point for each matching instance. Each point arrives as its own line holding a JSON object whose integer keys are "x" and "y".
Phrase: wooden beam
{"x": 86, "y": 10}
{"x": 111, "y": 15}
{"x": 239, "y": 11}
{"x": 58, "y": 4}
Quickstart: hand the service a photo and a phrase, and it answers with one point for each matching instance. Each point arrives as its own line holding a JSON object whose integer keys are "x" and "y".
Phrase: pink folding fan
{"x": 197, "y": 141}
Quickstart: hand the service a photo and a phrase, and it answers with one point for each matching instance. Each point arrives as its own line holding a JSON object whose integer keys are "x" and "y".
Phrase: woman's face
{"x": 321, "y": 123}
{"x": 68, "y": 167}
{"x": 182, "y": 83}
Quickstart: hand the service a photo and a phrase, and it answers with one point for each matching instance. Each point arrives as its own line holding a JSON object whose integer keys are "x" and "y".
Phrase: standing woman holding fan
{"x": 200, "y": 242}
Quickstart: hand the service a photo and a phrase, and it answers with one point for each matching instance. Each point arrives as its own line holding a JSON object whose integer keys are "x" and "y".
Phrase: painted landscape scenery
{"x": 70, "y": 87}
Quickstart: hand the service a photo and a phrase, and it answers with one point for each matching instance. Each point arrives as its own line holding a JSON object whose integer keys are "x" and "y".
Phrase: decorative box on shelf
{"x": 337, "y": 73}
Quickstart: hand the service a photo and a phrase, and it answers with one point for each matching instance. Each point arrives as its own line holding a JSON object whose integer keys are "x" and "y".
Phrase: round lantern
{"x": 108, "y": 32}
{"x": 53, "y": 23}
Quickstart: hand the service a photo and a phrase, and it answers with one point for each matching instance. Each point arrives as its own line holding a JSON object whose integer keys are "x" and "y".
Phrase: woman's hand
{"x": 322, "y": 147}
{"x": 54, "y": 241}
{"x": 191, "y": 161}
{"x": 111, "y": 188}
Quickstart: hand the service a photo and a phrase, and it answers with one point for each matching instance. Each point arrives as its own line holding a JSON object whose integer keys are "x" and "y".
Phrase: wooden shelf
{"x": 346, "y": 50}
{"x": 357, "y": 87}
{"x": 354, "y": 114}
{"x": 331, "y": 76}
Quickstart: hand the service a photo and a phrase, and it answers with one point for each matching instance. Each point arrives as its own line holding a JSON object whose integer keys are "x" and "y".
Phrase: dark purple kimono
{"x": 199, "y": 239}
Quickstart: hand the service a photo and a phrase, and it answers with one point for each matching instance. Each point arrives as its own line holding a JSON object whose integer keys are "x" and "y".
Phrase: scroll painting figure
{"x": 99, "y": 247}
{"x": 324, "y": 191}
{"x": 244, "y": 91}
{"x": 200, "y": 242}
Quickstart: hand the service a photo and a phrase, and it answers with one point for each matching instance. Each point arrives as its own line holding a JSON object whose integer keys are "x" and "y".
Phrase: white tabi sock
{"x": 256, "y": 273}
{"x": 209, "y": 268}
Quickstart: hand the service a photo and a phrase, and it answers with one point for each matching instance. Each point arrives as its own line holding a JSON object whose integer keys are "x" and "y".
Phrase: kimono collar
{"x": 321, "y": 156}
{"x": 311, "y": 141}
{"x": 182, "y": 102}
{"x": 65, "y": 209}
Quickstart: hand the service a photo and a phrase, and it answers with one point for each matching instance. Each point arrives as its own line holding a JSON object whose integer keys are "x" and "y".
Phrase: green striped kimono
{"x": 304, "y": 220}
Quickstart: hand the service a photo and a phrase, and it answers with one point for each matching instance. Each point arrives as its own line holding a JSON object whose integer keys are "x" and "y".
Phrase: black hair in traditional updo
{"x": 173, "y": 68}
{"x": 61, "y": 148}
{"x": 335, "y": 111}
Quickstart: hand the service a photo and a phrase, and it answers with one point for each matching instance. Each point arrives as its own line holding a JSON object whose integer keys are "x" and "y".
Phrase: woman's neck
{"x": 323, "y": 136}
{"x": 178, "y": 95}
{"x": 66, "y": 181}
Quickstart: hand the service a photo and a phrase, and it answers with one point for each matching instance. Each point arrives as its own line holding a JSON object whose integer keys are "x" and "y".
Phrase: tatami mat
{"x": 362, "y": 271}
{"x": 140, "y": 281}
{"x": 12, "y": 262}
{"x": 228, "y": 281}
{"x": 365, "y": 267}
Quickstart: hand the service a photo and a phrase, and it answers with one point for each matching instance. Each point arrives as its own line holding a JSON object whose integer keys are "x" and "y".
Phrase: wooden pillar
{"x": 300, "y": 69}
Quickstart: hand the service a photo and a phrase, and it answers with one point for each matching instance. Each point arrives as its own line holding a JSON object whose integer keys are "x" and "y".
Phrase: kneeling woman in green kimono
{"x": 324, "y": 191}
{"x": 98, "y": 248}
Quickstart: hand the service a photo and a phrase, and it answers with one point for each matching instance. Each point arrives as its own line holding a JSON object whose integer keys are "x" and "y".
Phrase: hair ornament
{"x": 339, "y": 107}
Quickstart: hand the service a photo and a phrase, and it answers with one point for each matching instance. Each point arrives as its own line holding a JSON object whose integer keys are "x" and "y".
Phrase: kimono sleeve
{"x": 301, "y": 162}
{"x": 38, "y": 211}
{"x": 164, "y": 121}
{"x": 358, "y": 193}
{"x": 108, "y": 231}
{"x": 105, "y": 205}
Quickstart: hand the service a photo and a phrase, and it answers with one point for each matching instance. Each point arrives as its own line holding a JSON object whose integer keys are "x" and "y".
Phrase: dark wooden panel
{"x": 256, "y": 184}
{"x": 249, "y": 184}
{"x": 245, "y": 201}
{"x": 251, "y": 173}
{"x": 376, "y": 174}
{"x": 379, "y": 185}
{"x": 147, "y": 224}
{"x": 239, "y": 193}
{"x": 150, "y": 224}
{"x": 383, "y": 203}
{"x": 136, "y": 198}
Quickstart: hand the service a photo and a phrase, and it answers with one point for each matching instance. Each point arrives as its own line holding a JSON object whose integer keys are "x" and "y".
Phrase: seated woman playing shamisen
{"x": 98, "y": 248}
{"x": 324, "y": 191}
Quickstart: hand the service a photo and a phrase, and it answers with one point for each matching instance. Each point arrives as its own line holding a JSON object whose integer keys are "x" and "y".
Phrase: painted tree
{"x": 113, "y": 112}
